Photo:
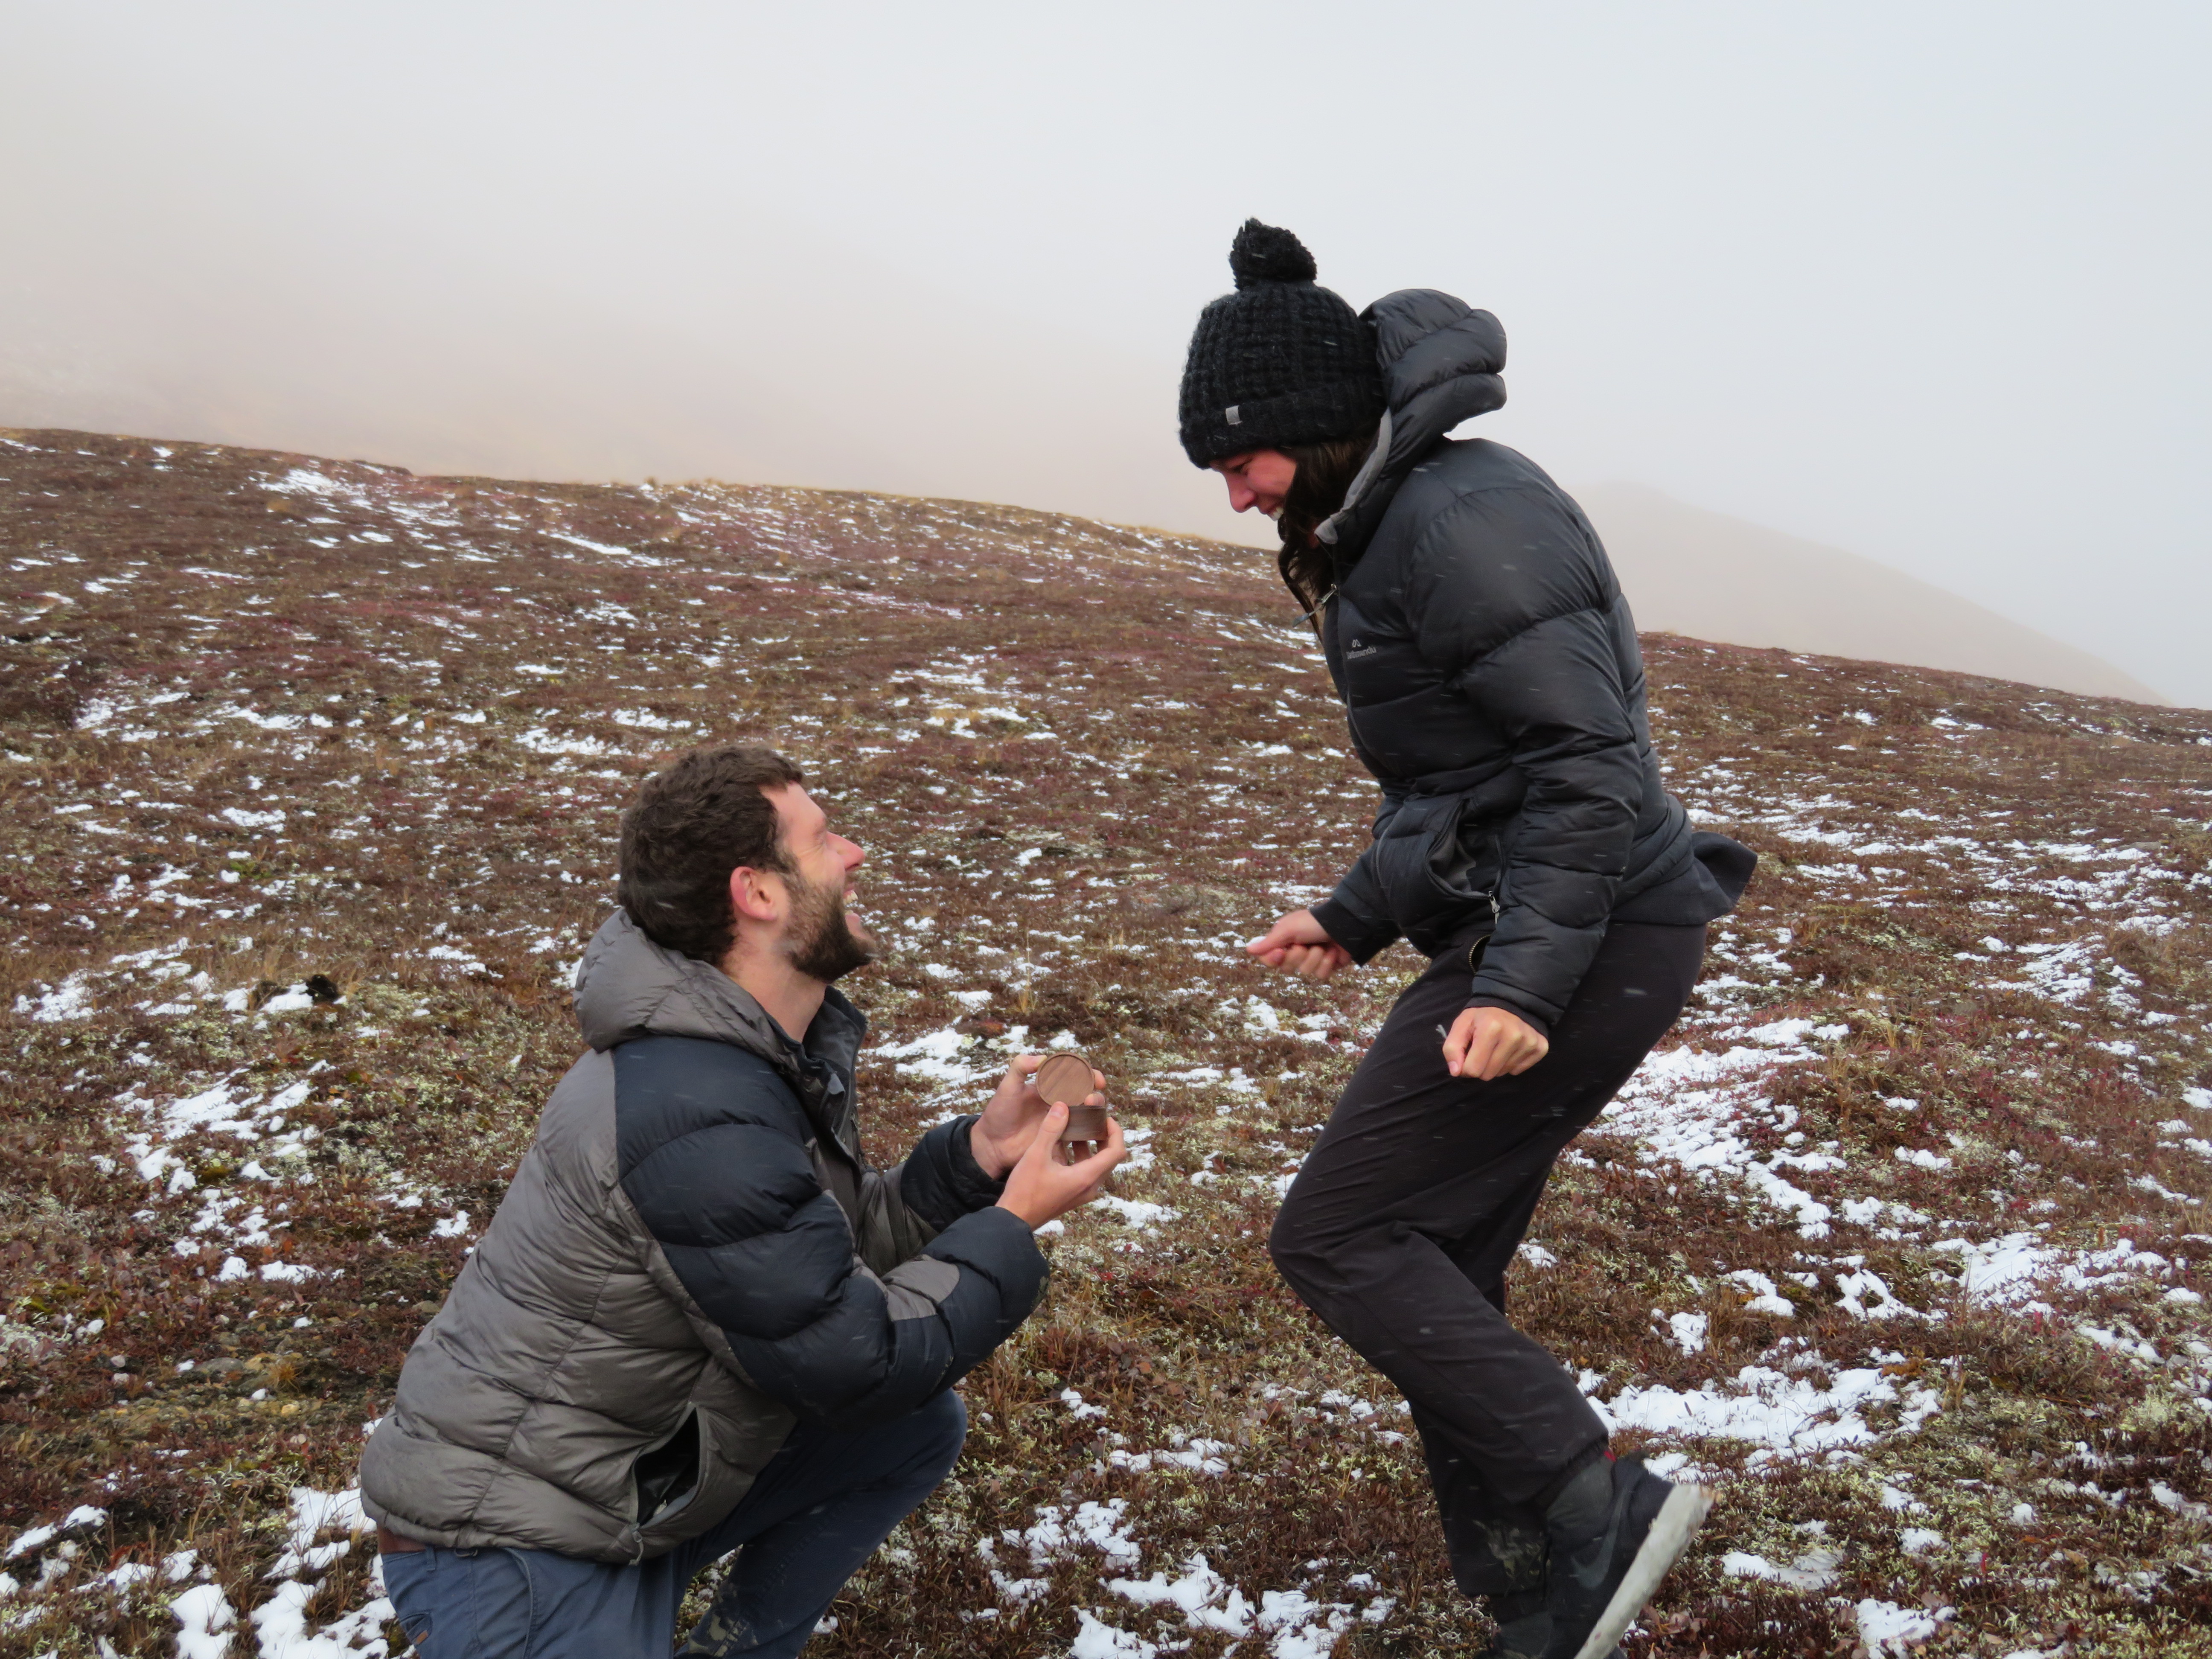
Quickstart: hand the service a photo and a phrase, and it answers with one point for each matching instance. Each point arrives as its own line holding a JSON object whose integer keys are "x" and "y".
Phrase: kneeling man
{"x": 700, "y": 1321}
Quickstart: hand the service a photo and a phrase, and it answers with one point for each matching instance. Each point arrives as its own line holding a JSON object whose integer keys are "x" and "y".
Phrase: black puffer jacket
{"x": 1490, "y": 670}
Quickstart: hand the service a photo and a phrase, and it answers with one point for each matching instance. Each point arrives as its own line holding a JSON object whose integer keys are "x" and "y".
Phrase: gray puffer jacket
{"x": 1490, "y": 670}
{"x": 694, "y": 1255}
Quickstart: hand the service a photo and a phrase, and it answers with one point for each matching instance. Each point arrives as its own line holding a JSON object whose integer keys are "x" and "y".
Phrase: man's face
{"x": 1259, "y": 477}
{"x": 824, "y": 940}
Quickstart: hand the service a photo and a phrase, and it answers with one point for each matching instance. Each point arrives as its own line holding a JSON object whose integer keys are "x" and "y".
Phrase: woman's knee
{"x": 1300, "y": 1243}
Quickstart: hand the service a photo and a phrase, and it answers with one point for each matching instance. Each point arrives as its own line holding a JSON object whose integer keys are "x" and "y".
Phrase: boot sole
{"x": 1672, "y": 1528}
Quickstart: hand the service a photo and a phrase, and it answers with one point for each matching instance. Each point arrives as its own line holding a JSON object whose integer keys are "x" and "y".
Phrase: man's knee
{"x": 940, "y": 1430}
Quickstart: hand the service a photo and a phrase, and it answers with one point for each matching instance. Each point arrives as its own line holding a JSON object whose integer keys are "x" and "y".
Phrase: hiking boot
{"x": 1526, "y": 1638}
{"x": 1614, "y": 1532}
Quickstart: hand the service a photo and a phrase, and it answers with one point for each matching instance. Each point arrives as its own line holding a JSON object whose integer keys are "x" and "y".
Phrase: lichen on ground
{"x": 312, "y": 770}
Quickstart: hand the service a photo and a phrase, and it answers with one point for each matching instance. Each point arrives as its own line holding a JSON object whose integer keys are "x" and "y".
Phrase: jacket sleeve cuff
{"x": 976, "y": 1190}
{"x": 1541, "y": 1022}
{"x": 1365, "y": 937}
{"x": 941, "y": 1182}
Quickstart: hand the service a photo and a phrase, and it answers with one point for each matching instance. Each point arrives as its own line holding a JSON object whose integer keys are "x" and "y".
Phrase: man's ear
{"x": 755, "y": 895}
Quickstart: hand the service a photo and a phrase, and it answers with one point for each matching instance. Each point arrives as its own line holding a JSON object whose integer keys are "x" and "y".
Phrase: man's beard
{"x": 824, "y": 944}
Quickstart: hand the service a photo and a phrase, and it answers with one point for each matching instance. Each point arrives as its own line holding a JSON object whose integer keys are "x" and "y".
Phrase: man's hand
{"x": 1485, "y": 1043}
{"x": 1299, "y": 944}
{"x": 1042, "y": 1188}
{"x": 1010, "y": 1122}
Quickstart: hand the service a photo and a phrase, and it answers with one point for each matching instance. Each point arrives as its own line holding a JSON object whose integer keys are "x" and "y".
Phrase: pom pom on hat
{"x": 1282, "y": 360}
{"x": 1267, "y": 254}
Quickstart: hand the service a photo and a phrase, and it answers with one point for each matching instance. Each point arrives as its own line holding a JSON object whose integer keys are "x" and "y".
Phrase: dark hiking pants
{"x": 1400, "y": 1225}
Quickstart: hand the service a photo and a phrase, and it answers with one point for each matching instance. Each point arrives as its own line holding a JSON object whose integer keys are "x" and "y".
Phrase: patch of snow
{"x": 1207, "y": 1602}
{"x": 1815, "y": 1569}
{"x": 1134, "y": 1212}
{"x": 206, "y": 1617}
{"x": 1058, "y": 1531}
{"x": 1763, "y": 1297}
{"x": 1097, "y": 1640}
{"x": 1077, "y": 1409}
{"x": 70, "y": 999}
{"x": 935, "y": 1056}
{"x": 1886, "y": 1628}
{"x": 2007, "y": 1271}
{"x": 1778, "y": 1412}
{"x": 1691, "y": 1108}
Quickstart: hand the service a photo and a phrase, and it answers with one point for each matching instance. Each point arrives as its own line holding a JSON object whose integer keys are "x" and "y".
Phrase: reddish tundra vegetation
{"x": 312, "y": 771}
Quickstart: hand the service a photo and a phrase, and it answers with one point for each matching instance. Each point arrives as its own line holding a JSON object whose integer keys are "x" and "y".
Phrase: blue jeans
{"x": 819, "y": 1509}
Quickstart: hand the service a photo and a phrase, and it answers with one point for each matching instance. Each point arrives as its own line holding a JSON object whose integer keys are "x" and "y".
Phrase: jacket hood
{"x": 1442, "y": 361}
{"x": 628, "y": 986}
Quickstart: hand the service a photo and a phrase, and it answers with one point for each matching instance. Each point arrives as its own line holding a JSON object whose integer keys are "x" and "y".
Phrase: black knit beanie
{"x": 1281, "y": 361}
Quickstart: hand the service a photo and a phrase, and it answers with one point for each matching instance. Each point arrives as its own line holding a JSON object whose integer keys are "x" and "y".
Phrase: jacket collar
{"x": 1441, "y": 361}
{"x": 628, "y": 986}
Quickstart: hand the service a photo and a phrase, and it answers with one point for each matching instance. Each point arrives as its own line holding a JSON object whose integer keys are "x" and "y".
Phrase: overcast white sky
{"x": 1925, "y": 282}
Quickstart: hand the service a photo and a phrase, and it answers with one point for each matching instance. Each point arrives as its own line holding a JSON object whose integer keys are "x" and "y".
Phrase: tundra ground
{"x": 313, "y": 770}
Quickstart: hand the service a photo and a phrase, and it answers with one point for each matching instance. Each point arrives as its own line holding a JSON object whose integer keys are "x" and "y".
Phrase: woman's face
{"x": 1259, "y": 477}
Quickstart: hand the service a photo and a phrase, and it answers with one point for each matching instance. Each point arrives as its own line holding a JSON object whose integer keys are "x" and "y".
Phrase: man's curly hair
{"x": 690, "y": 825}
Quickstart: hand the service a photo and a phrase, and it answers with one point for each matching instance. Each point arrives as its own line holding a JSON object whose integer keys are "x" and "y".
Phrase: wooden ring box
{"x": 1065, "y": 1079}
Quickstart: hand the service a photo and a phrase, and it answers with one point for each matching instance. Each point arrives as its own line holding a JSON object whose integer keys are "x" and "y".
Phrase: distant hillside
{"x": 311, "y": 770}
{"x": 1712, "y": 577}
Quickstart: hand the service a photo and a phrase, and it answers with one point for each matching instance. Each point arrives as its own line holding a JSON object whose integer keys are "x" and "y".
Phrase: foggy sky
{"x": 1925, "y": 283}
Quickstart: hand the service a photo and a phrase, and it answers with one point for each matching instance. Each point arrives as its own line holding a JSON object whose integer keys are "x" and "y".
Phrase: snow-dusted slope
{"x": 312, "y": 771}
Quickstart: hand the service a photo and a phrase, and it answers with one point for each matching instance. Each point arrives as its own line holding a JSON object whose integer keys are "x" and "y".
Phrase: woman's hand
{"x": 1299, "y": 945}
{"x": 1485, "y": 1043}
{"x": 1042, "y": 1188}
{"x": 1016, "y": 1112}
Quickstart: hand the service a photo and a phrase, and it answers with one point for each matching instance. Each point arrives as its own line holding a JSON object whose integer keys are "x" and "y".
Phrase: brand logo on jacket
{"x": 1358, "y": 647}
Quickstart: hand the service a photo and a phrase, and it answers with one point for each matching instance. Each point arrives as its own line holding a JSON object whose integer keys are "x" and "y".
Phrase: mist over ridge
{"x": 1942, "y": 313}
{"x": 1710, "y": 576}
{"x": 836, "y": 372}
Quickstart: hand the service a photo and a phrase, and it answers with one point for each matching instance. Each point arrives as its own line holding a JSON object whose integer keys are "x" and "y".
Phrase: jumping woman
{"x": 1524, "y": 844}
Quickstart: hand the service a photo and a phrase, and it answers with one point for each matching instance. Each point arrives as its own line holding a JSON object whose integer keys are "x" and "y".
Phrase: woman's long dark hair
{"x": 1325, "y": 473}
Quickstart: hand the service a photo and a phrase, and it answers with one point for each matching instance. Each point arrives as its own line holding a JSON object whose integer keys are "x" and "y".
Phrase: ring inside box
{"x": 1064, "y": 1079}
